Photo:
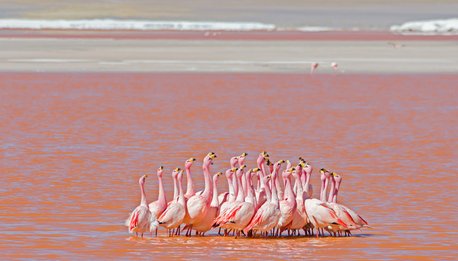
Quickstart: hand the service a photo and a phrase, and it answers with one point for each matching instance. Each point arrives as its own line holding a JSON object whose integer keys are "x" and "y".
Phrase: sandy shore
{"x": 133, "y": 55}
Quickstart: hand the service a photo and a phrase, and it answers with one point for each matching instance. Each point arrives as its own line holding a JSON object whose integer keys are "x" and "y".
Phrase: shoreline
{"x": 274, "y": 35}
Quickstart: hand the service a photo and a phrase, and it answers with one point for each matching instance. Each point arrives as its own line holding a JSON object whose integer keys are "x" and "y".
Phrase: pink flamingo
{"x": 198, "y": 205}
{"x": 173, "y": 216}
{"x": 140, "y": 219}
{"x": 207, "y": 223}
{"x": 334, "y": 66}
{"x": 340, "y": 211}
{"x": 262, "y": 190}
{"x": 158, "y": 206}
{"x": 267, "y": 216}
{"x": 307, "y": 186}
{"x": 313, "y": 67}
{"x": 288, "y": 204}
{"x": 358, "y": 220}
{"x": 324, "y": 183}
{"x": 240, "y": 214}
{"x": 224, "y": 206}
{"x": 300, "y": 216}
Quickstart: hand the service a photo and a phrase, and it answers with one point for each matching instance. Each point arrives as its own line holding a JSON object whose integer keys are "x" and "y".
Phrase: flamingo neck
{"x": 324, "y": 185}
{"x": 143, "y": 199}
{"x": 331, "y": 189}
{"x": 274, "y": 198}
{"x": 161, "y": 198}
{"x": 240, "y": 194}
{"x": 288, "y": 189}
{"x": 307, "y": 180}
{"x": 244, "y": 184}
{"x": 231, "y": 189}
{"x": 215, "y": 202}
{"x": 278, "y": 186}
{"x": 180, "y": 192}
{"x": 336, "y": 190}
{"x": 190, "y": 184}
{"x": 300, "y": 189}
{"x": 249, "y": 192}
{"x": 208, "y": 184}
{"x": 175, "y": 189}
{"x": 234, "y": 185}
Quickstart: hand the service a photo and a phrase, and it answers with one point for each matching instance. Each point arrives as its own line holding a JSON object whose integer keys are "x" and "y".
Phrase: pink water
{"x": 74, "y": 145}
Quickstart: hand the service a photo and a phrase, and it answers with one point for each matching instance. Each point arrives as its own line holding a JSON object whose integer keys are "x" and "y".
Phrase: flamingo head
{"x": 323, "y": 172}
{"x": 142, "y": 179}
{"x": 287, "y": 173}
{"x": 307, "y": 168}
{"x": 188, "y": 163}
{"x": 230, "y": 172}
{"x": 216, "y": 176}
{"x": 175, "y": 173}
{"x": 208, "y": 160}
{"x": 239, "y": 172}
{"x": 233, "y": 161}
{"x": 277, "y": 164}
{"x": 160, "y": 171}
{"x": 288, "y": 164}
{"x": 241, "y": 158}
{"x": 336, "y": 177}
{"x": 180, "y": 174}
{"x": 263, "y": 156}
{"x": 255, "y": 171}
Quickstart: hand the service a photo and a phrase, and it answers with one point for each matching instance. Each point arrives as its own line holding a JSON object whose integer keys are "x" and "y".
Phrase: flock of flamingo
{"x": 263, "y": 201}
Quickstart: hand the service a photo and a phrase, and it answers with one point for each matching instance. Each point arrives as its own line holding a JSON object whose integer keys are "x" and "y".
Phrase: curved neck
{"x": 244, "y": 184}
{"x": 190, "y": 183}
{"x": 161, "y": 198}
{"x": 208, "y": 184}
{"x": 249, "y": 191}
{"x": 143, "y": 199}
{"x": 332, "y": 189}
{"x": 215, "y": 202}
{"x": 231, "y": 189}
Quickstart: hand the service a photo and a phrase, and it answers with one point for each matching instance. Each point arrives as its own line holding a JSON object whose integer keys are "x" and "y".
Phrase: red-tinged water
{"x": 73, "y": 146}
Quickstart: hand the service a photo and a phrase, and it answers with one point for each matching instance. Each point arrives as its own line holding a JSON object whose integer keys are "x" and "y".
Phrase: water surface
{"x": 73, "y": 146}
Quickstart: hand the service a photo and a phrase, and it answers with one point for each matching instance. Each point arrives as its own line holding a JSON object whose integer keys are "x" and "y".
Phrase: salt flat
{"x": 132, "y": 55}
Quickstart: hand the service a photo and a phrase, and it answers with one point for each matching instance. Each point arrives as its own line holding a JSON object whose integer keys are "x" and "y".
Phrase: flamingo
{"x": 300, "y": 216}
{"x": 267, "y": 216}
{"x": 158, "y": 206}
{"x": 207, "y": 222}
{"x": 173, "y": 216}
{"x": 224, "y": 206}
{"x": 358, "y": 220}
{"x": 313, "y": 67}
{"x": 340, "y": 211}
{"x": 288, "y": 204}
{"x": 140, "y": 219}
{"x": 198, "y": 205}
{"x": 240, "y": 213}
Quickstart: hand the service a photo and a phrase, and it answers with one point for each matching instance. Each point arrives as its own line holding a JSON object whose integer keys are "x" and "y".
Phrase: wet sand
{"x": 355, "y": 53}
{"x": 74, "y": 144}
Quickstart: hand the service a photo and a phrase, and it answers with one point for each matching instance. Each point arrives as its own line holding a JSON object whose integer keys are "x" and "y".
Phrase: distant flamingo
{"x": 335, "y": 66}
{"x": 313, "y": 67}
{"x": 158, "y": 206}
{"x": 140, "y": 219}
{"x": 173, "y": 216}
{"x": 198, "y": 204}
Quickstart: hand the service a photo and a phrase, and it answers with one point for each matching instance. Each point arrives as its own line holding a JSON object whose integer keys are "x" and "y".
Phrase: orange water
{"x": 74, "y": 145}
